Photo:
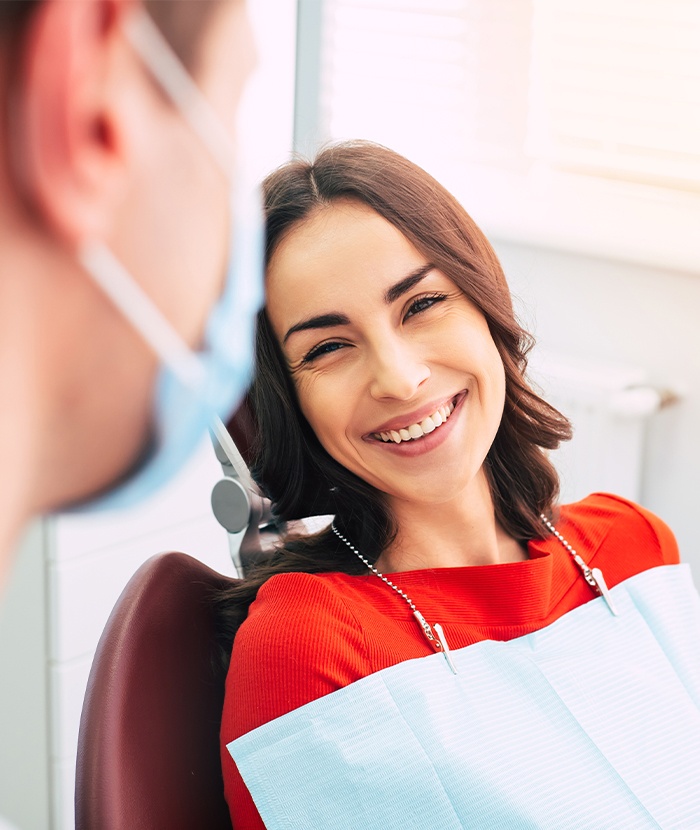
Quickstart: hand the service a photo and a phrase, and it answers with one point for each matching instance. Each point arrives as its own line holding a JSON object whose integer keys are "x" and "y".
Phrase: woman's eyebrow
{"x": 327, "y": 321}
{"x": 323, "y": 321}
{"x": 406, "y": 284}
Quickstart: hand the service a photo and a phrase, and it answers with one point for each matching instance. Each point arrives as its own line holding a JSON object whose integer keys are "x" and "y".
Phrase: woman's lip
{"x": 420, "y": 446}
{"x": 415, "y": 417}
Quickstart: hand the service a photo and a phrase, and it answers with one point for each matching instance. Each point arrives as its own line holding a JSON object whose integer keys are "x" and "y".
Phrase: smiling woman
{"x": 391, "y": 392}
{"x": 387, "y": 235}
{"x": 375, "y": 353}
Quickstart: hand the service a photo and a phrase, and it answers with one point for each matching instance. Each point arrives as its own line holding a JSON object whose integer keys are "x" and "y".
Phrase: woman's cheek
{"x": 332, "y": 407}
{"x": 317, "y": 405}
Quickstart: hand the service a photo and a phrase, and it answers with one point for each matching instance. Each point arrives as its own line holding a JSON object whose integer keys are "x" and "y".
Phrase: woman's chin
{"x": 448, "y": 486}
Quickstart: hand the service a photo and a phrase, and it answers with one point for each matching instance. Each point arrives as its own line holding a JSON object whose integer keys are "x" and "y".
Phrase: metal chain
{"x": 587, "y": 572}
{"x": 372, "y": 568}
{"x": 438, "y": 641}
{"x": 427, "y": 629}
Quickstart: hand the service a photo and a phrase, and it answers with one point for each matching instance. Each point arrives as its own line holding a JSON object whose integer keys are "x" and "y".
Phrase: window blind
{"x": 617, "y": 86}
{"x": 573, "y": 101}
{"x": 441, "y": 81}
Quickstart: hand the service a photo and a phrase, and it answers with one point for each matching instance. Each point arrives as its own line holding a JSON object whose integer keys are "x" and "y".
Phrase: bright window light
{"x": 571, "y": 123}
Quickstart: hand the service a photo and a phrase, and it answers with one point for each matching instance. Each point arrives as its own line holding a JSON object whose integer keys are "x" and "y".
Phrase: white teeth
{"x": 414, "y": 431}
{"x": 427, "y": 425}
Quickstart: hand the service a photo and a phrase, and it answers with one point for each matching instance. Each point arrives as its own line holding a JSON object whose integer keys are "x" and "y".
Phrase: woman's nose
{"x": 397, "y": 371}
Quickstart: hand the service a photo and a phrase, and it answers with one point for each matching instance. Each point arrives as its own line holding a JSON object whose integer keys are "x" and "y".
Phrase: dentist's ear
{"x": 68, "y": 150}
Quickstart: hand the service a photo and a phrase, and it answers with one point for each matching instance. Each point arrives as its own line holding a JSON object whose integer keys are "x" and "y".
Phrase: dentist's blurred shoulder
{"x": 117, "y": 151}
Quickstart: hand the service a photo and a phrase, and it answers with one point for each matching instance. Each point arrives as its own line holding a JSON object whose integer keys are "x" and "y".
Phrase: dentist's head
{"x": 128, "y": 251}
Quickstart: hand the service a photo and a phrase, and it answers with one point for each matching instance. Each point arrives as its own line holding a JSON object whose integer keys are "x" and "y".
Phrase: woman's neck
{"x": 457, "y": 533}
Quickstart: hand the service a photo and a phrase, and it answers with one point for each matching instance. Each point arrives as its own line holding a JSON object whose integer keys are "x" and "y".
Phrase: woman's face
{"x": 395, "y": 370}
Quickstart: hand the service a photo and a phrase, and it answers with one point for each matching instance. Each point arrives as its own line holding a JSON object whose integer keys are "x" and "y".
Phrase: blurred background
{"x": 570, "y": 130}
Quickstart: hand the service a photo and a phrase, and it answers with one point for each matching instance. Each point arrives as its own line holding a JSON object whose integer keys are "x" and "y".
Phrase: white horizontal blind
{"x": 606, "y": 89}
{"x": 439, "y": 81}
{"x": 616, "y": 89}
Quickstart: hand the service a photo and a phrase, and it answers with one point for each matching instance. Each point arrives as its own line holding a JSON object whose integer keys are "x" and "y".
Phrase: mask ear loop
{"x": 142, "y": 312}
{"x": 167, "y": 69}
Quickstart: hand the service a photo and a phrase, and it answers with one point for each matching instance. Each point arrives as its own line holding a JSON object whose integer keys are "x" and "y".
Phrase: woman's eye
{"x": 323, "y": 348}
{"x": 424, "y": 303}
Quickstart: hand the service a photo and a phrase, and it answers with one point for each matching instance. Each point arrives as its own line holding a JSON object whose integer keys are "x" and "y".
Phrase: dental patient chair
{"x": 148, "y": 750}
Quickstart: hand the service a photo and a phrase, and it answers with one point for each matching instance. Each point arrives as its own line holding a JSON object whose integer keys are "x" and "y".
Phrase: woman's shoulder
{"x": 293, "y": 607}
{"x": 300, "y": 631}
{"x": 298, "y": 593}
{"x": 612, "y": 524}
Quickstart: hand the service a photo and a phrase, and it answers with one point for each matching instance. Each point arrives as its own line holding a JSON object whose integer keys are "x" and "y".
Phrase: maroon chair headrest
{"x": 148, "y": 750}
{"x": 243, "y": 430}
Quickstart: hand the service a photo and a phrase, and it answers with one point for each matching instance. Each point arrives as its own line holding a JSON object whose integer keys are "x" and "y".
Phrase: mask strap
{"x": 137, "y": 307}
{"x": 144, "y": 315}
{"x": 167, "y": 69}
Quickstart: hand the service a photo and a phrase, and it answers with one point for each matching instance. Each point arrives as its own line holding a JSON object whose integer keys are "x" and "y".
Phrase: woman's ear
{"x": 67, "y": 145}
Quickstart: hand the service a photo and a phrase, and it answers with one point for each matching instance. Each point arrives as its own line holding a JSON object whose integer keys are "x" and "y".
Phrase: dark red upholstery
{"x": 148, "y": 751}
{"x": 243, "y": 430}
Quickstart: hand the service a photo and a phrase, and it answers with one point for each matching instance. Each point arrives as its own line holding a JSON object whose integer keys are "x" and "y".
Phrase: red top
{"x": 307, "y": 635}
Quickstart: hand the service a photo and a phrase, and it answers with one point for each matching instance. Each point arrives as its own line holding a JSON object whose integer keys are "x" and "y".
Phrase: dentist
{"x": 128, "y": 246}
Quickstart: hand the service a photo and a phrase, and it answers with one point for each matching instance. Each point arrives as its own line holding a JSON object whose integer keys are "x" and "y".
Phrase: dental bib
{"x": 592, "y": 722}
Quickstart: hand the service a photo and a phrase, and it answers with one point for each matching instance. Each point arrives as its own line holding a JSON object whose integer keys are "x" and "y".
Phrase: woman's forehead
{"x": 338, "y": 249}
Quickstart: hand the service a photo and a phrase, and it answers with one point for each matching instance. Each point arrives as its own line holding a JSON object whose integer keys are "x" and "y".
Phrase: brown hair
{"x": 14, "y": 13}
{"x": 290, "y": 464}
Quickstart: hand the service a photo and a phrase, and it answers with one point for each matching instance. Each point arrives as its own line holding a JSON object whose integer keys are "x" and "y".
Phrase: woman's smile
{"x": 415, "y": 434}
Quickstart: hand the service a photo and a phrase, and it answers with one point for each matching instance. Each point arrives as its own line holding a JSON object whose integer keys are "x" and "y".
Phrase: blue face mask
{"x": 194, "y": 390}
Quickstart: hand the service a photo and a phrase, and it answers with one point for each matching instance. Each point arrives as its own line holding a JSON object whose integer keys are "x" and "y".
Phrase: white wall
{"x": 623, "y": 313}
{"x": 24, "y": 693}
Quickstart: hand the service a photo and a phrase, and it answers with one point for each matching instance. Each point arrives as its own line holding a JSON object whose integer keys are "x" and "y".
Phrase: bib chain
{"x": 435, "y": 634}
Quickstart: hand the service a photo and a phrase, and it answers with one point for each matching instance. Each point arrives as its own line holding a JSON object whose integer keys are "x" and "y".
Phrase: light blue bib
{"x": 592, "y": 722}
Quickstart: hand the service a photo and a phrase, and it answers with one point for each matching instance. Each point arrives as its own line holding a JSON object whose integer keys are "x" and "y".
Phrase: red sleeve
{"x": 618, "y": 536}
{"x": 298, "y": 643}
{"x": 635, "y": 534}
{"x": 668, "y": 546}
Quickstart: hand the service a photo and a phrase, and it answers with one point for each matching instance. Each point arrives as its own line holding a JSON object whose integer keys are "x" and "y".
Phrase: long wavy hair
{"x": 292, "y": 467}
